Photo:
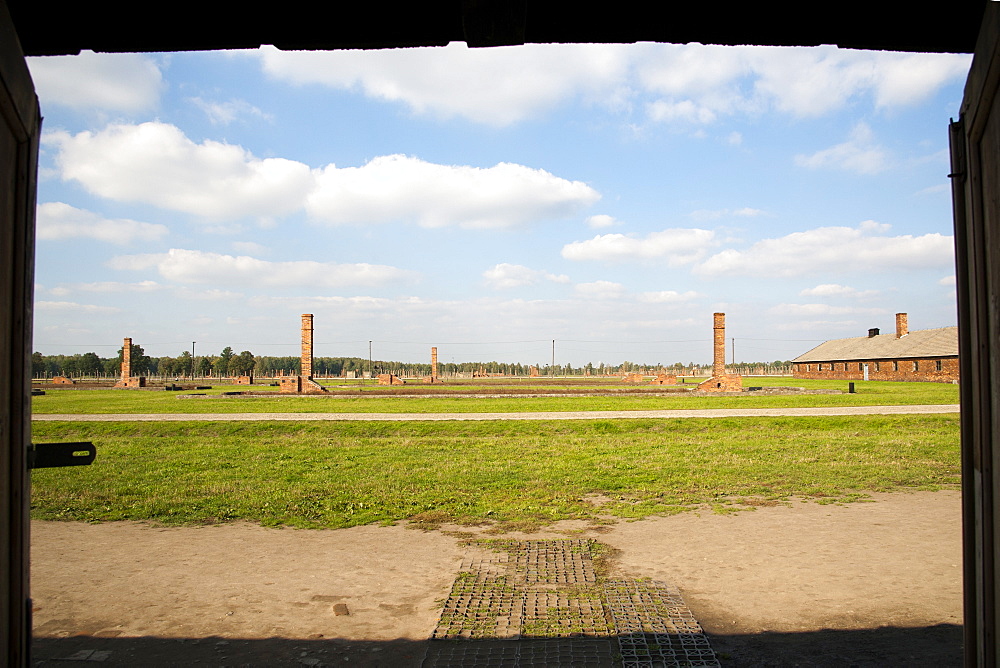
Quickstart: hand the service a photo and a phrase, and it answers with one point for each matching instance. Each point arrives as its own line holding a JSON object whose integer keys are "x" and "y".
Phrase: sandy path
{"x": 554, "y": 415}
{"x": 765, "y": 584}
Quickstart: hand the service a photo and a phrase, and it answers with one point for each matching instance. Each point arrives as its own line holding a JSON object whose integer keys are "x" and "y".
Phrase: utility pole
{"x": 370, "y": 360}
{"x": 553, "y": 357}
{"x": 192, "y": 359}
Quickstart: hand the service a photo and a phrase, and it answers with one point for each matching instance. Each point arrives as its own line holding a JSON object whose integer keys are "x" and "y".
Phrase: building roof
{"x": 941, "y": 342}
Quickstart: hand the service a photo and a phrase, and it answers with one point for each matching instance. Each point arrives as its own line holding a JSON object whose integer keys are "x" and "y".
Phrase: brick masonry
{"x": 127, "y": 381}
{"x": 390, "y": 379}
{"x": 912, "y": 369}
{"x": 664, "y": 379}
{"x": 634, "y": 378}
{"x": 433, "y": 378}
{"x": 307, "y": 345}
{"x": 720, "y": 380}
{"x": 304, "y": 383}
{"x": 127, "y": 359}
{"x": 928, "y": 365}
{"x": 62, "y": 380}
{"x": 244, "y": 380}
{"x": 290, "y": 385}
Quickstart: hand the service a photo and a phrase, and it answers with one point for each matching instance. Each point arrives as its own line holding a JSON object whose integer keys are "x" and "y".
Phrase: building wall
{"x": 887, "y": 369}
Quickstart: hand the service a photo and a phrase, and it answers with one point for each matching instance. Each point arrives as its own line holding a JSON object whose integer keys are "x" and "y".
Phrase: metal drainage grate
{"x": 654, "y": 627}
{"x": 540, "y": 603}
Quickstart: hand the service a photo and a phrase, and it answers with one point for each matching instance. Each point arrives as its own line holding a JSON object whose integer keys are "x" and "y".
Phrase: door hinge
{"x": 52, "y": 455}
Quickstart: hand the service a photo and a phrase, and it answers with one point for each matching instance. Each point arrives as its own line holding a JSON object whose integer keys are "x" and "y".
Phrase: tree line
{"x": 228, "y": 363}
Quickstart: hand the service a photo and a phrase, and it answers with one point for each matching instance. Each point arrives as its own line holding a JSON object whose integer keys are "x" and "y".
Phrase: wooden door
{"x": 18, "y": 165}
{"x": 975, "y": 154}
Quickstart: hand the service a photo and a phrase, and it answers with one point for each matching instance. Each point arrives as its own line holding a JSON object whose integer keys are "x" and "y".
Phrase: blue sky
{"x": 607, "y": 197}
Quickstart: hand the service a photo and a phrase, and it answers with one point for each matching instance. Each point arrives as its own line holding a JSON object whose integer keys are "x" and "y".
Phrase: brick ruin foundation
{"x": 243, "y": 380}
{"x": 62, "y": 380}
{"x": 127, "y": 381}
{"x": 634, "y": 378}
{"x": 720, "y": 380}
{"x": 304, "y": 383}
{"x": 664, "y": 379}
{"x": 390, "y": 379}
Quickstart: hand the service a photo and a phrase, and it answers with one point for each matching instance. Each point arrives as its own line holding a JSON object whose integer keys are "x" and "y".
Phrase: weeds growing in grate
{"x": 558, "y": 590}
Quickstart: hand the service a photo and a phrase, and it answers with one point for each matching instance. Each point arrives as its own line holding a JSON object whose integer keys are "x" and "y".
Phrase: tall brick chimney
{"x": 719, "y": 345}
{"x": 307, "y": 345}
{"x": 902, "y": 328}
{"x": 434, "y": 364}
{"x": 127, "y": 359}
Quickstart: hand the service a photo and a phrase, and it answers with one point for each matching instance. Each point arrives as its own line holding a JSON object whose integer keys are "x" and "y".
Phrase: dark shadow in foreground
{"x": 939, "y": 645}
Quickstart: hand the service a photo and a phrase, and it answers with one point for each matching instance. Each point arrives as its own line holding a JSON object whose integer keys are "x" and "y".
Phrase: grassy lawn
{"x": 871, "y": 393}
{"x": 514, "y": 474}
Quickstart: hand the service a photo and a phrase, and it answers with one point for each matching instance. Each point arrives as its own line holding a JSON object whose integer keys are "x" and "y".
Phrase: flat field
{"x": 600, "y": 395}
{"x": 513, "y": 475}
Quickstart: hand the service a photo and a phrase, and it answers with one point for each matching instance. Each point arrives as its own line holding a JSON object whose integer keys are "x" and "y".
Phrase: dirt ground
{"x": 864, "y": 584}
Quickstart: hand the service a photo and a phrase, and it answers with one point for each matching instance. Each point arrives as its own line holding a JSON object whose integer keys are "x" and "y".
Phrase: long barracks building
{"x": 929, "y": 355}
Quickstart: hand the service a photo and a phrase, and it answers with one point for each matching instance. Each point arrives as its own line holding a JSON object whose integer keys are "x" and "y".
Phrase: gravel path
{"x": 553, "y": 415}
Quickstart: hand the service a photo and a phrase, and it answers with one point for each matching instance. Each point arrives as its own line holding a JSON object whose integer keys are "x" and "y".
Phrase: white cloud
{"x": 675, "y": 246}
{"x": 192, "y": 266}
{"x": 688, "y": 84}
{"x": 947, "y": 280}
{"x": 600, "y": 290}
{"x": 837, "y": 290}
{"x": 667, "y": 297}
{"x": 734, "y": 139}
{"x": 157, "y": 164}
{"x": 859, "y": 154}
{"x": 700, "y": 84}
{"x": 831, "y": 250}
{"x": 250, "y": 248}
{"x": 398, "y": 187}
{"x": 224, "y": 113}
{"x": 715, "y": 214}
{"x": 127, "y": 82}
{"x": 495, "y": 86}
{"x": 601, "y": 220}
{"x": 212, "y": 294}
{"x": 116, "y": 286}
{"x": 821, "y": 309}
{"x": 73, "y": 307}
{"x": 56, "y": 220}
{"x": 505, "y": 275}
{"x": 686, "y": 111}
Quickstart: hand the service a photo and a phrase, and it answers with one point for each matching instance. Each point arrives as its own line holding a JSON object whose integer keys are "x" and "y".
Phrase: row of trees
{"x": 229, "y": 364}
{"x": 226, "y": 363}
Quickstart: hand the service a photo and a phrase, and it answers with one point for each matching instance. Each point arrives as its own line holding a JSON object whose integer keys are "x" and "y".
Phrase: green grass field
{"x": 511, "y": 474}
{"x": 871, "y": 393}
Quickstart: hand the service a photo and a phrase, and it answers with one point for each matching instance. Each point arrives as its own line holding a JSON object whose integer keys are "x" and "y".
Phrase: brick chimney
{"x": 719, "y": 344}
{"x": 307, "y": 345}
{"x": 127, "y": 359}
{"x": 902, "y": 328}
{"x": 873, "y": 332}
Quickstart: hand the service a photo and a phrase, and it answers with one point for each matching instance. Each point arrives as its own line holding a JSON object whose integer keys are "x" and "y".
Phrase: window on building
{"x": 876, "y": 366}
{"x": 861, "y": 367}
{"x": 895, "y": 365}
{"x": 916, "y": 365}
{"x": 938, "y": 366}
